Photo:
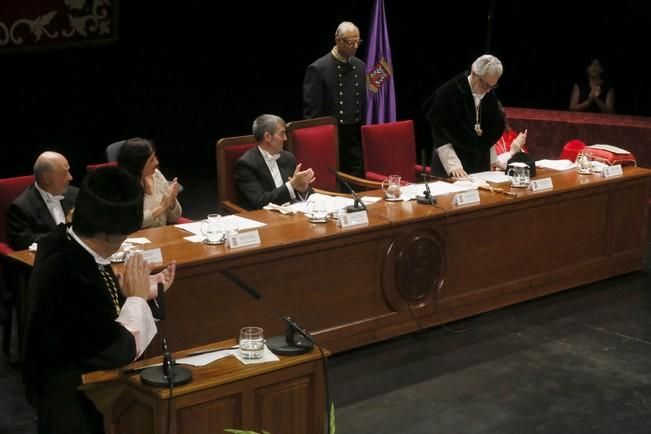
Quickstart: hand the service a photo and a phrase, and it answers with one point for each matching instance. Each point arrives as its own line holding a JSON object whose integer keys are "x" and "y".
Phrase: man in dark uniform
{"x": 80, "y": 316}
{"x": 335, "y": 85}
{"x": 466, "y": 120}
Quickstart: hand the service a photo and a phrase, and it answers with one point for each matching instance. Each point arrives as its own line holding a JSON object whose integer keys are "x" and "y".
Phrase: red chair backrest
{"x": 389, "y": 149}
{"x": 91, "y": 167}
{"x": 571, "y": 150}
{"x": 315, "y": 143}
{"x": 10, "y": 189}
{"x": 229, "y": 149}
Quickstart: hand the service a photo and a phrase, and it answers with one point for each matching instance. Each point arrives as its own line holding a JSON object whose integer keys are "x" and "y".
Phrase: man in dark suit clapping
{"x": 267, "y": 173}
{"x": 45, "y": 204}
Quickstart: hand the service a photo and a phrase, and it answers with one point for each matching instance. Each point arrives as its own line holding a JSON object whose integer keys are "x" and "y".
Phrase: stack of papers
{"x": 492, "y": 176}
{"x": 331, "y": 204}
{"x": 437, "y": 188}
{"x": 556, "y": 164}
{"x": 230, "y": 220}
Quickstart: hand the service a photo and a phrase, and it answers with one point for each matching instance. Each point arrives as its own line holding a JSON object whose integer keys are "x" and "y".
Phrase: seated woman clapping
{"x": 161, "y": 207}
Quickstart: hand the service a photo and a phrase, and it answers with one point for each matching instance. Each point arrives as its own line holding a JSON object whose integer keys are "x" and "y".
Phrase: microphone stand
{"x": 168, "y": 374}
{"x": 288, "y": 344}
{"x": 358, "y": 205}
{"x": 426, "y": 198}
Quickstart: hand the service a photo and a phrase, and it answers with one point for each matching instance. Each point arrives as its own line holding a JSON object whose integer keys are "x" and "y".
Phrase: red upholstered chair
{"x": 571, "y": 150}
{"x": 10, "y": 189}
{"x": 90, "y": 167}
{"x": 229, "y": 149}
{"x": 390, "y": 149}
{"x": 315, "y": 143}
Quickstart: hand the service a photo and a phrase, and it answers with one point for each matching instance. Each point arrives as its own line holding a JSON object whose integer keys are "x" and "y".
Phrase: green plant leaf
{"x": 332, "y": 418}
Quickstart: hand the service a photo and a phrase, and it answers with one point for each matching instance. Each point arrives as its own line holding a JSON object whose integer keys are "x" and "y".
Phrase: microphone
{"x": 358, "y": 205}
{"x": 289, "y": 344}
{"x": 168, "y": 374}
{"x": 426, "y": 198}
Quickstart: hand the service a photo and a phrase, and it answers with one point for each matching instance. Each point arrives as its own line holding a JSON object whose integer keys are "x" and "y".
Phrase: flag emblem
{"x": 378, "y": 75}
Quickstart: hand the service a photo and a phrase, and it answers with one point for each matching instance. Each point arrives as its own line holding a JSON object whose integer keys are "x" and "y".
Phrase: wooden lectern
{"x": 281, "y": 397}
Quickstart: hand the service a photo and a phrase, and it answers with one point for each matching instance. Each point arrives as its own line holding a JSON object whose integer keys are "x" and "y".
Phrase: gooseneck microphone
{"x": 358, "y": 205}
{"x": 168, "y": 374}
{"x": 289, "y": 344}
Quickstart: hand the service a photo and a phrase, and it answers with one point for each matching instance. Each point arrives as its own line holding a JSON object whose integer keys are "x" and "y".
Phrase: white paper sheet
{"x": 204, "y": 359}
{"x": 237, "y": 221}
{"x": 610, "y": 148}
{"x": 267, "y": 356}
{"x": 331, "y": 203}
{"x": 437, "y": 188}
{"x": 492, "y": 176}
{"x": 556, "y": 164}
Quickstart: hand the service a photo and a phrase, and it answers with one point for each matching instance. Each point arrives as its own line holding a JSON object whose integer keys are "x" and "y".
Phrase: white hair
{"x": 345, "y": 26}
{"x": 487, "y": 64}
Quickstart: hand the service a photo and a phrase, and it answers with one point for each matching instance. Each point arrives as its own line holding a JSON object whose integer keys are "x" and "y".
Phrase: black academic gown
{"x": 451, "y": 115}
{"x": 255, "y": 185}
{"x": 70, "y": 330}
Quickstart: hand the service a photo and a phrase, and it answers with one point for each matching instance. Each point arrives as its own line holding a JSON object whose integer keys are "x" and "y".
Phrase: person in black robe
{"x": 466, "y": 120}
{"x": 80, "y": 317}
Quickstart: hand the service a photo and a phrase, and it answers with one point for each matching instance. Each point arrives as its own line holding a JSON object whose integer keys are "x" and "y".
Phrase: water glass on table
{"x": 251, "y": 343}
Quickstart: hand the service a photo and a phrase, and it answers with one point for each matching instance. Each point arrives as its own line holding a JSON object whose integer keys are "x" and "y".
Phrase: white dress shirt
{"x": 53, "y": 203}
{"x": 272, "y": 164}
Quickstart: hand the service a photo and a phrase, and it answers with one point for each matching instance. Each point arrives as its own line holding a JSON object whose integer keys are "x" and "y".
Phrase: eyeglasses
{"x": 485, "y": 84}
{"x": 352, "y": 44}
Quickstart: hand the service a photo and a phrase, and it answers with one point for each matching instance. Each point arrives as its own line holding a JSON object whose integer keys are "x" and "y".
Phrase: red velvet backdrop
{"x": 36, "y": 24}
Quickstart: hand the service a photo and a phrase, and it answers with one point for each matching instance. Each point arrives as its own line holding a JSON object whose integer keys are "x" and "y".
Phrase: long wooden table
{"x": 412, "y": 266}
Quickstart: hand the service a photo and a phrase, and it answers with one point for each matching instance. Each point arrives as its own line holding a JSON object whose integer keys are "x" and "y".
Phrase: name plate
{"x": 353, "y": 219}
{"x": 541, "y": 184}
{"x": 153, "y": 256}
{"x": 466, "y": 198}
{"x": 610, "y": 171}
{"x": 243, "y": 239}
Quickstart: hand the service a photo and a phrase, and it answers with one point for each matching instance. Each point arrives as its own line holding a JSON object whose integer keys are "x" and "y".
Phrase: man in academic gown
{"x": 267, "y": 173}
{"x": 466, "y": 120}
{"x": 45, "y": 204}
{"x": 80, "y": 316}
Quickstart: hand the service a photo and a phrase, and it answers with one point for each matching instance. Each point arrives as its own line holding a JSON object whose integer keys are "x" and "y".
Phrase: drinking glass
{"x": 251, "y": 342}
{"x": 584, "y": 162}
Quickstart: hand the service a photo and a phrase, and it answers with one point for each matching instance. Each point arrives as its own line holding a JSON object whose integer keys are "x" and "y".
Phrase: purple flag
{"x": 380, "y": 93}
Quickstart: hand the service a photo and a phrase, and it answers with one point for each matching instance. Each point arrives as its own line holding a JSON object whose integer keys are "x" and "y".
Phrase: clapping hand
{"x": 170, "y": 194}
{"x": 134, "y": 282}
{"x": 166, "y": 277}
{"x": 302, "y": 179}
{"x": 518, "y": 143}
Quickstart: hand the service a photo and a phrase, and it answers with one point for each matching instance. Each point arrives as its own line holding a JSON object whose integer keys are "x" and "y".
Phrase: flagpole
{"x": 489, "y": 26}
